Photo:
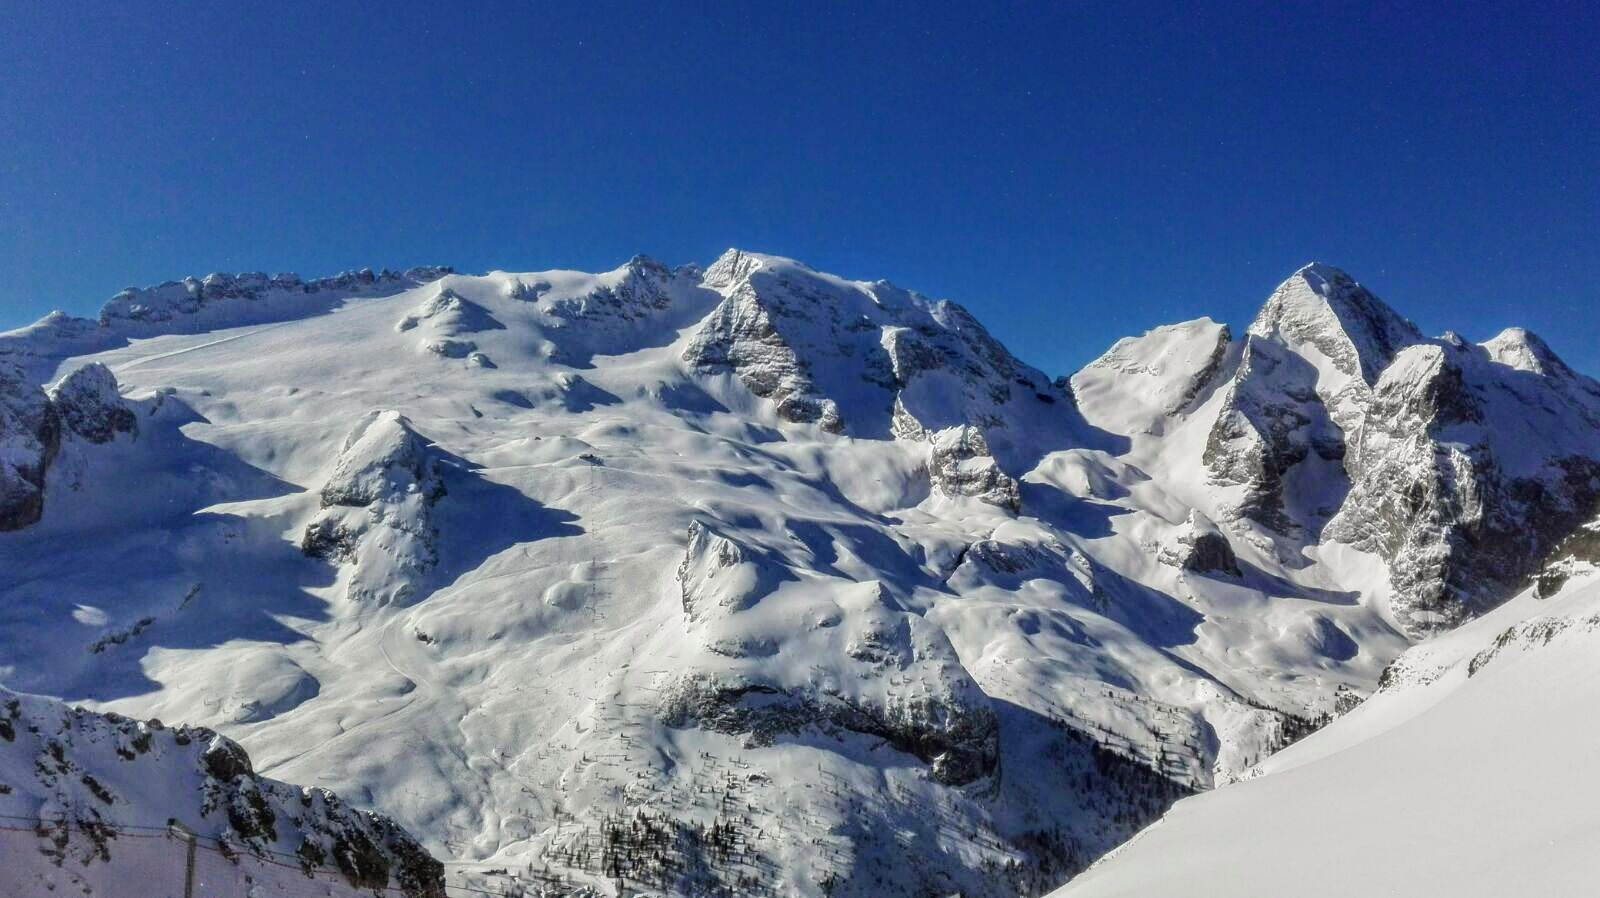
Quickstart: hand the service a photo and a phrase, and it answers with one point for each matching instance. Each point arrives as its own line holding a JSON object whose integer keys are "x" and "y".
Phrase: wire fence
{"x": 157, "y": 863}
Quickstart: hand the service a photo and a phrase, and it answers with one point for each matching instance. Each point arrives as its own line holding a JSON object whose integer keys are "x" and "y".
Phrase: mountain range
{"x": 752, "y": 579}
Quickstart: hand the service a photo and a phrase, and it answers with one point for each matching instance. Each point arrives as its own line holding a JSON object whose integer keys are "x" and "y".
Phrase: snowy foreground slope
{"x": 1468, "y": 774}
{"x": 754, "y": 579}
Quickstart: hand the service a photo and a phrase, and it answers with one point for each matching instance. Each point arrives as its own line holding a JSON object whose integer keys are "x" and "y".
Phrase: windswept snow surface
{"x": 1469, "y": 774}
{"x": 752, "y": 578}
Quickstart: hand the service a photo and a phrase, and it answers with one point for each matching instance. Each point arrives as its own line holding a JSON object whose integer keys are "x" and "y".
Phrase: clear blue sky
{"x": 1072, "y": 173}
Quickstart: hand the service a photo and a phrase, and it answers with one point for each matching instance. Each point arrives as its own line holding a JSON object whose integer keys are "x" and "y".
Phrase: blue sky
{"x": 1073, "y": 173}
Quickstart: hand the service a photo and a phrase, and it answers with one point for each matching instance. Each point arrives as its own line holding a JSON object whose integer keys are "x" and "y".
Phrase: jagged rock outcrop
{"x": 1461, "y": 465}
{"x": 640, "y": 288}
{"x": 1197, "y": 545}
{"x": 85, "y": 776}
{"x": 1321, "y": 311}
{"x": 1578, "y": 553}
{"x": 86, "y": 405}
{"x": 961, "y": 466}
{"x": 91, "y": 407}
{"x": 742, "y": 336}
{"x": 173, "y": 300}
{"x": 30, "y": 436}
{"x": 377, "y": 510}
{"x": 1467, "y": 471}
{"x": 901, "y": 682}
{"x": 869, "y": 359}
{"x": 1310, "y": 359}
{"x": 942, "y": 722}
{"x": 1271, "y": 420}
{"x": 715, "y": 576}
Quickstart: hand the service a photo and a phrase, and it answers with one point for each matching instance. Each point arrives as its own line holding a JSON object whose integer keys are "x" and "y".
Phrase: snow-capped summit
{"x": 871, "y": 359}
{"x": 1323, "y": 308}
{"x": 1526, "y": 351}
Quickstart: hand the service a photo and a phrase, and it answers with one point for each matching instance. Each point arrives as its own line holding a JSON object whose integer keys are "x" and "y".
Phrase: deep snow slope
{"x": 749, "y": 578}
{"x": 1467, "y": 774}
{"x": 87, "y": 800}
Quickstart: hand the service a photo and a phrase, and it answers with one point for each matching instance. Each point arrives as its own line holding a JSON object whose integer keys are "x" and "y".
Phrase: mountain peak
{"x": 1525, "y": 350}
{"x": 1322, "y": 306}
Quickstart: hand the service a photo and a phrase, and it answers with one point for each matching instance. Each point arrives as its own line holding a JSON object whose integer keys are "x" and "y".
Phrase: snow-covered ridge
{"x": 84, "y": 780}
{"x": 218, "y": 300}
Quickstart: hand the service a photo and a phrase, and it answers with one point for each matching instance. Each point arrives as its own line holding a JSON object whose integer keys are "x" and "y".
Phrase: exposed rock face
{"x": 377, "y": 510}
{"x": 643, "y": 288}
{"x": 743, "y": 336}
{"x": 950, "y": 729}
{"x": 1322, "y": 310}
{"x": 86, "y": 405}
{"x": 1461, "y": 465}
{"x": 1306, "y": 373}
{"x": 99, "y": 772}
{"x": 961, "y": 466}
{"x": 869, "y": 359}
{"x": 30, "y": 436}
{"x": 1578, "y": 553}
{"x": 1200, "y": 547}
{"x": 1468, "y": 471}
{"x": 714, "y": 576}
{"x": 639, "y": 304}
{"x": 91, "y": 406}
{"x": 1271, "y": 420}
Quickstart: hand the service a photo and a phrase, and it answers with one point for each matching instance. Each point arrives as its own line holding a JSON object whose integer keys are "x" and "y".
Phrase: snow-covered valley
{"x": 756, "y": 580}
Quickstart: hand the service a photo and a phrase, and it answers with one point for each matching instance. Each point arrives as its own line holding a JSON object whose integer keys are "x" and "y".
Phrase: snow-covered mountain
{"x": 754, "y": 577}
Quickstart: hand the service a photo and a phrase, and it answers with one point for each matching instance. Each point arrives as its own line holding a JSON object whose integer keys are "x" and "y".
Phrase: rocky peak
{"x": 717, "y": 576}
{"x": 90, "y": 404}
{"x": 1464, "y": 480}
{"x": 1302, "y": 386}
{"x": 1524, "y": 350}
{"x": 732, "y": 266}
{"x": 869, "y": 358}
{"x": 382, "y": 459}
{"x": 1320, "y": 306}
{"x": 377, "y": 510}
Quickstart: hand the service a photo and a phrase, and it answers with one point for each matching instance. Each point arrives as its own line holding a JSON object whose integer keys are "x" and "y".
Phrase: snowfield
{"x": 1465, "y": 776}
{"x": 752, "y": 579}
